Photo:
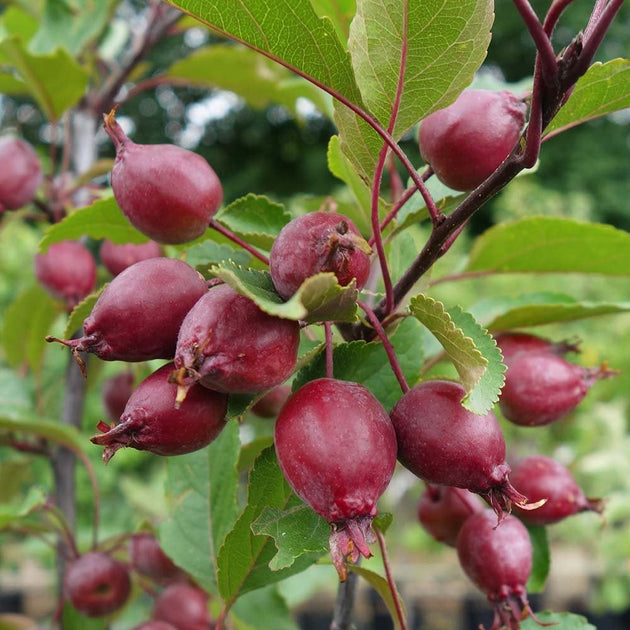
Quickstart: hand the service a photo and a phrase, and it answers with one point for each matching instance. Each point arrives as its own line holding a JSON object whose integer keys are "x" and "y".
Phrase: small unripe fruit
{"x": 498, "y": 560}
{"x": 138, "y": 315}
{"x": 541, "y": 477}
{"x": 541, "y": 388}
{"x": 168, "y": 193}
{"x": 151, "y": 422}
{"x": 96, "y": 584}
{"x": 184, "y": 606}
{"x": 337, "y": 449}
{"x": 116, "y": 258}
{"x": 67, "y": 271}
{"x": 466, "y": 142}
{"x": 442, "y": 511}
{"x": 147, "y": 558}
{"x": 20, "y": 173}
{"x": 116, "y": 392}
{"x": 314, "y": 243}
{"x": 228, "y": 344}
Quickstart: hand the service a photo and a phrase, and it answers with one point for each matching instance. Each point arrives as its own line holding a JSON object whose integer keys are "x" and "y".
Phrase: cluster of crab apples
{"x": 335, "y": 442}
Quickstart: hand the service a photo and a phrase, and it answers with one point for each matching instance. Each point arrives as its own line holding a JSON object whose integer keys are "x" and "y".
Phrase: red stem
{"x": 553, "y": 15}
{"x": 390, "y": 580}
{"x": 215, "y": 225}
{"x": 329, "y": 350}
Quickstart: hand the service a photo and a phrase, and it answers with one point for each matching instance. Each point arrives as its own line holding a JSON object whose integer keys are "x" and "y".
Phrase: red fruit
{"x": 228, "y": 344}
{"x": 146, "y": 557}
{"x": 513, "y": 343}
{"x": 116, "y": 392}
{"x": 168, "y": 193}
{"x": 151, "y": 422}
{"x": 337, "y": 449}
{"x": 465, "y": 142}
{"x": 20, "y": 173}
{"x": 498, "y": 560}
{"x": 184, "y": 606}
{"x": 314, "y": 243}
{"x": 67, "y": 271}
{"x": 541, "y": 387}
{"x": 117, "y": 258}
{"x": 270, "y": 404}
{"x": 445, "y": 444}
{"x": 541, "y": 477}
{"x": 138, "y": 315}
{"x": 442, "y": 511}
{"x": 96, "y": 584}
{"x": 155, "y": 625}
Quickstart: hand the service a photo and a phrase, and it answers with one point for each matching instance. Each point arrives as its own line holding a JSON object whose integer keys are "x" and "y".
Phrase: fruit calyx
{"x": 114, "y": 130}
{"x": 502, "y": 496}
{"x": 349, "y": 540}
{"x": 89, "y": 343}
{"x": 511, "y": 606}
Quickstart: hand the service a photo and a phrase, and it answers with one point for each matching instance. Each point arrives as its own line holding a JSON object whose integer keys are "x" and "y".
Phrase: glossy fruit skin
{"x": 442, "y": 511}
{"x": 541, "y": 477}
{"x": 337, "y": 449}
{"x": 116, "y": 258}
{"x": 166, "y": 192}
{"x": 498, "y": 560}
{"x": 20, "y": 173}
{"x": 270, "y": 404}
{"x": 541, "y": 388}
{"x": 228, "y": 344}
{"x": 96, "y": 584}
{"x": 512, "y": 344}
{"x": 318, "y": 242}
{"x": 465, "y": 142}
{"x": 152, "y": 422}
{"x": 147, "y": 558}
{"x": 152, "y": 298}
{"x": 184, "y": 606}
{"x": 67, "y": 271}
{"x": 116, "y": 392}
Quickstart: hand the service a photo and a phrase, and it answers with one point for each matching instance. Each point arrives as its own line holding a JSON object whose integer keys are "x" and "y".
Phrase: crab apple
{"x": 168, "y": 193}
{"x": 96, "y": 584}
{"x": 466, "y": 142}
{"x": 20, "y": 173}
{"x": 148, "y": 558}
{"x": 314, "y": 243}
{"x": 67, "y": 271}
{"x": 337, "y": 449}
{"x": 116, "y": 258}
{"x": 270, "y": 404}
{"x": 228, "y": 344}
{"x": 443, "y": 443}
{"x": 541, "y": 477}
{"x": 498, "y": 560}
{"x": 116, "y": 392}
{"x": 138, "y": 315}
{"x": 442, "y": 511}
{"x": 152, "y": 422}
{"x": 541, "y": 388}
{"x": 184, "y": 606}
{"x": 512, "y": 344}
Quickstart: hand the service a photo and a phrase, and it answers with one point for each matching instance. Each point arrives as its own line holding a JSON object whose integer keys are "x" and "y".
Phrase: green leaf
{"x": 546, "y": 244}
{"x": 80, "y": 312}
{"x": 558, "y": 621}
{"x": 203, "y": 256}
{"x": 255, "y": 218}
{"x": 74, "y": 620}
{"x": 339, "y": 12}
{"x": 296, "y": 531}
{"x": 381, "y": 586}
{"x": 537, "y": 309}
{"x": 541, "y": 560}
{"x": 444, "y": 43}
{"x": 70, "y": 25}
{"x": 463, "y": 340}
{"x": 202, "y": 488}
{"x": 249, "y": 74}
{"x": 10, "y": 514}
{"x": 263, "y": 609}
{"x": 320, "y": 298}
{"x": 367, "y": 363}
{"x": 54, "y": 80}
{"x": 102, "y": 219}
{"x": 26, "y": 323}
{"x": 244, "y": 557}
{"x": 605, "y": 88}
{"x": 289, "y": 31}
{"x": 15, "y": 399}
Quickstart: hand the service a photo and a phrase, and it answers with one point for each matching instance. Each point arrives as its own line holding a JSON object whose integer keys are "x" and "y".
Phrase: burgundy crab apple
{"x": 166, "y": 192}
{"x": 116, "y": 258}
{"x": 116, "y": 392}
{"x": 147, "y": 558}
{"x": 183, "y": 605}
{"x": 337, "y": 449}
{"x": 512, "y": 344}
{"x": 20, "y": 173}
